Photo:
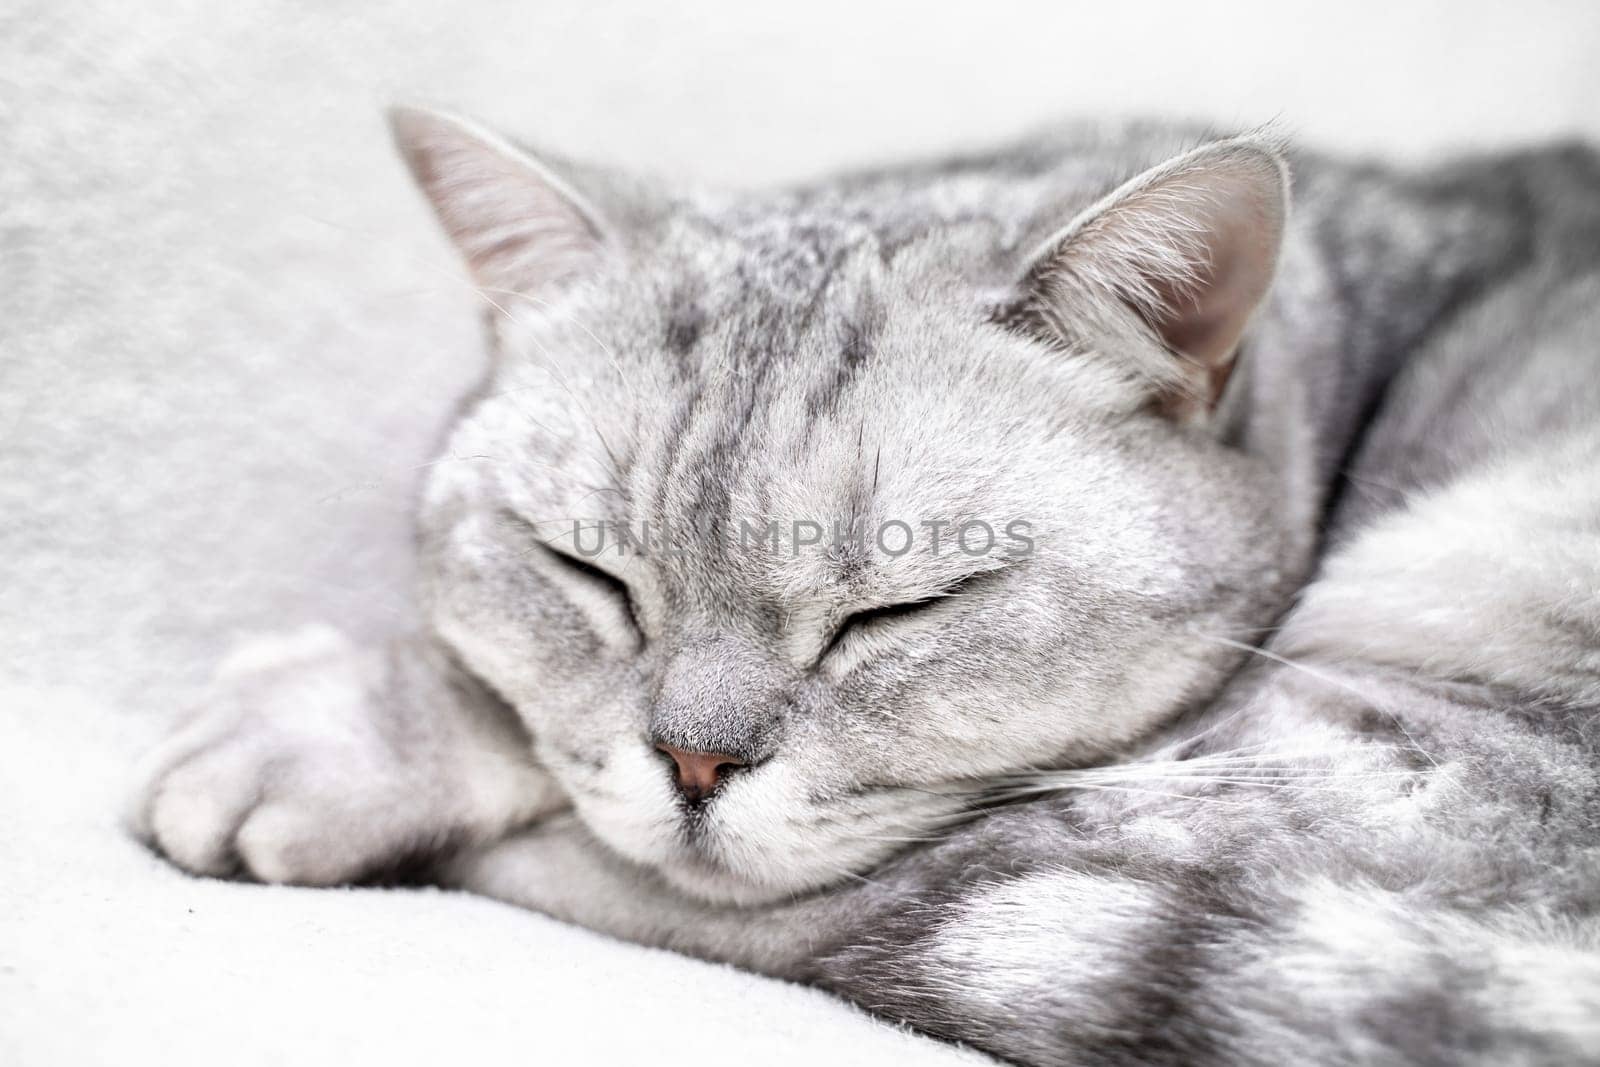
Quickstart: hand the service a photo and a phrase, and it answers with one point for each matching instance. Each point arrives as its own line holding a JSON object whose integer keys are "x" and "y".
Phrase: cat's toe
{"x": 192, "y": 814}
{"x": 292, "y": 844}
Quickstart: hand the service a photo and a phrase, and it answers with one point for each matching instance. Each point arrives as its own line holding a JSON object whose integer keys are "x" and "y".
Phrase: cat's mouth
{"x": 767, "y": 837}
{"x": 773, "y": 829}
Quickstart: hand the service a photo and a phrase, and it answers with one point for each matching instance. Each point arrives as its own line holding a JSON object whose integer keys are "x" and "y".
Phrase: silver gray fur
{"x": 1282, "y": 746}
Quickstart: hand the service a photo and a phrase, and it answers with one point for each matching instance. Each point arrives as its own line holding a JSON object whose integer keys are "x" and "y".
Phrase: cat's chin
{"x": 713, "y": 884}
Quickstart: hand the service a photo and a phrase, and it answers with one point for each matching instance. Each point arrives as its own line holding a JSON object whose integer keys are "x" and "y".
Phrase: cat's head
{"x": 907, "y": 482}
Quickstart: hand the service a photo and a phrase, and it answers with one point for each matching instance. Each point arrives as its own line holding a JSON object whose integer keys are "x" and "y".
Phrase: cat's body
{"x": 1377, "y": 838}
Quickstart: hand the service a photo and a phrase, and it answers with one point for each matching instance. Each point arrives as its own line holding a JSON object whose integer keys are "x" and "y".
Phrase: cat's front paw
{"x": 307, "y": 767}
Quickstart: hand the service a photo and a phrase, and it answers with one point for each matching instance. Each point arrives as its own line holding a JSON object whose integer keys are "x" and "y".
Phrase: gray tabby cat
{"x": 1275, "y": 740}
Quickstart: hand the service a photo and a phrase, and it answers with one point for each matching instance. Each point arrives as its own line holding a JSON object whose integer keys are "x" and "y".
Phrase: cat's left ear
{"x": 520, "y": 226}
{"x": 1189, "y": 248}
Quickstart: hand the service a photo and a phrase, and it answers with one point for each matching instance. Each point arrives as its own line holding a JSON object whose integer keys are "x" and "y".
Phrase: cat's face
{"x": 883, "y": 542}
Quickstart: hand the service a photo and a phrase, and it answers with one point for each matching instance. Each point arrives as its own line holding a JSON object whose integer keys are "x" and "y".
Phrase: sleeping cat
{"x": 1272, "y": 739}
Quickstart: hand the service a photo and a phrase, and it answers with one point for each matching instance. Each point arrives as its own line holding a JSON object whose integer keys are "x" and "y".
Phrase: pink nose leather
{"x": 699, "y": 773}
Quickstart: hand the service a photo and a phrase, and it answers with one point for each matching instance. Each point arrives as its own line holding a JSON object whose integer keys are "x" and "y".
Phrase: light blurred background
{"x": 229, "y": 330}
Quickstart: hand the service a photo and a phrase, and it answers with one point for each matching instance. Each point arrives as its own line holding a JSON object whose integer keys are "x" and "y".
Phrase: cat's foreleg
{"x": 317, "y": 761}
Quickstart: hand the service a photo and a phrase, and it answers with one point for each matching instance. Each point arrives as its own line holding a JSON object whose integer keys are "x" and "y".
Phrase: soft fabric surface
{"x": 229, "y": 333}
{"x": 110, "y": 956}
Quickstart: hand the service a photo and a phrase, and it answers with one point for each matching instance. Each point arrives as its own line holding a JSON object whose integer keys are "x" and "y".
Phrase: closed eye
{"x": 859, "y": 620}
{"x": 615, "y": 588}
{"x": 613, "y": 585}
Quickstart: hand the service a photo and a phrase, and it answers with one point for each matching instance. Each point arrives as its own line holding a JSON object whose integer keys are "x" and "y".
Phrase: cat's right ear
{"x": 521, "y": 228}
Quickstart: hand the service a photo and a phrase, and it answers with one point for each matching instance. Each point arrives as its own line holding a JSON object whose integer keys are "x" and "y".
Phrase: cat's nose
{"x": 699, "y": 773}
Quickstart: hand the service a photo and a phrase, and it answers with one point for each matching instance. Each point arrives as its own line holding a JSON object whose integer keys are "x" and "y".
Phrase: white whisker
{"x": 1319, "y": 676}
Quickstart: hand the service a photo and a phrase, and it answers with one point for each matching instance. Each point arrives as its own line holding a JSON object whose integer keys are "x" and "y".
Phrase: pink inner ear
{"x": 520, "y": 228}
{"x": 1204, "y": 317}
{"x": 1191, "y": 246}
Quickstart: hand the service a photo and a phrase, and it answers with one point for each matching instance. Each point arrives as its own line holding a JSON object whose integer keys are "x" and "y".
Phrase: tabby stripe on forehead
{"x": 686, "y": 321}
{"x": 858, "y": 335}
